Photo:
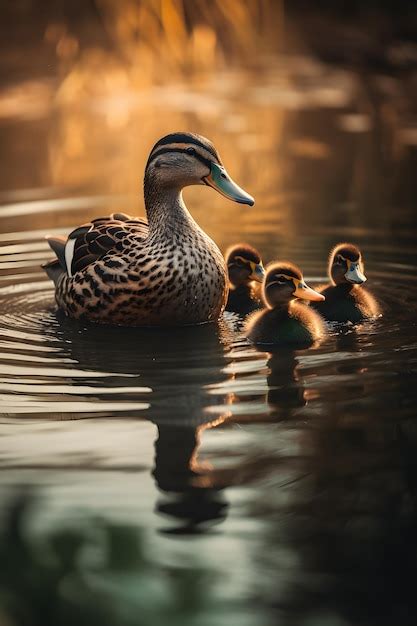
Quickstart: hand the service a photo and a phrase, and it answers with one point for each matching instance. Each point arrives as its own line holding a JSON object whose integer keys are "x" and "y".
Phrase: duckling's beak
{"x": 258, "y": 272}
{"x": 305, "y": 292}
{"x": 354, "y": 274}
{"x": 220, "y": 180}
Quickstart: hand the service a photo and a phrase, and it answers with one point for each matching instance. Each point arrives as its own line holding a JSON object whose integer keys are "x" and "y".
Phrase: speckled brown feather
{"x": 140, "y": 281}
{"x": 95, "y": 239}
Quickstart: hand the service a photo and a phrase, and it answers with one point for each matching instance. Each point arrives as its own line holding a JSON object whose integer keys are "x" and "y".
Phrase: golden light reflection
{"x": 214, "y": 68}
{"x": 173, "y": 65}
{"x": 203, "y": 468}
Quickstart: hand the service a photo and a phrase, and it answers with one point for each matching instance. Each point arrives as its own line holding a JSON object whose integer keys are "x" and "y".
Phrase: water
{"x": 288, "y": 477}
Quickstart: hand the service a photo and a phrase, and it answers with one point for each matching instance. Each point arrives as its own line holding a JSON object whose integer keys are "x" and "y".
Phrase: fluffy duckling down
{"x": 346, "y": 300}
{"x": 286, "y": 320}
{"x": 244, "y": 267}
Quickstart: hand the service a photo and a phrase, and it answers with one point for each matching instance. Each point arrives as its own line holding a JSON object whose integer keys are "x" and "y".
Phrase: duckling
{"x": 244, "y": 265}
{"x": 346, "y": 300}
{"x": 285, "y": 321}
{"x": 161, "y": 271}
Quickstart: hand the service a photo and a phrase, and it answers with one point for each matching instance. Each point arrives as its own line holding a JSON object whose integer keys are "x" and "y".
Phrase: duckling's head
{"x": 284, "y": 282}
{"x": 182, "y": 159}
{"x": 346, "y": 265}
{"x": 244, "y": 264}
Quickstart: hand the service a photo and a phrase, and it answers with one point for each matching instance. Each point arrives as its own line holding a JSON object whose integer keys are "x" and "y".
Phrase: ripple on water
{"x": 39, "y": 375}
{"x": 54, "y": 367}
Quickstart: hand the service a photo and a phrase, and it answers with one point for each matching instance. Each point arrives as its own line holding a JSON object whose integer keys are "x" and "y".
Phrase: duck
{"x": 160, "y": 271}
{"x": 244, "y": 266}
{"x": 285, "y": 320}
{"x": 345, "y": 298}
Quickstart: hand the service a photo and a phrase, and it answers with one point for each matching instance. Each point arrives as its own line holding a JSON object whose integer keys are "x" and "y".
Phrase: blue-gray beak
{"x": 354, "y": 274}
{"x": 220, "y": 180}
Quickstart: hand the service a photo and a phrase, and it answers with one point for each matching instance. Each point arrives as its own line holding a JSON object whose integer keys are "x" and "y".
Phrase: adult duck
{"x": 285, "y": 320}
{"x": 346, "y": 299}
{"x": 161, "y": 271}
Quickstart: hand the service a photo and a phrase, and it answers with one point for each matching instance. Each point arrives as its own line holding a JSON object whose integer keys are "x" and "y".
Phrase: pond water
{"x": 290, "y": 477}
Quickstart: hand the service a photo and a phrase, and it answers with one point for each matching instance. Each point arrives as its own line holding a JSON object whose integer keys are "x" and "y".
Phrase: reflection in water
{"x": 286, "y": 392}
{"x": 151, "y": 357}
{"x": 193, "y": 498}
{"x": 342, "y": 535}
{"x": 347, "y": 341}
{"x": 177, "y": 471}
{"x": 193, "y": 491}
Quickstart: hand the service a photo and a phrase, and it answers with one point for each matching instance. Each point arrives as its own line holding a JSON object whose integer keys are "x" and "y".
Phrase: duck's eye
{"x": 280, "y": 279}
{"x": 191, "y": 151}
{"x": 338, "y": 259}
{"x": 241, "y": 261}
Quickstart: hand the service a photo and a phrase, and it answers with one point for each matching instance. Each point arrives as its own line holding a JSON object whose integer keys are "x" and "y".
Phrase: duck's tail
{"x": 56, "y": 268}
{"x": 53, "y": 270}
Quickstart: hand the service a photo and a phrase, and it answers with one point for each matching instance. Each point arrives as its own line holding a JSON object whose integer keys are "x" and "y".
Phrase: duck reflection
{"x": 286, "y": 391}
{"x": 177, "y": 365}
{"x": 193, "y": 497}
{"x": 347, "y": 342}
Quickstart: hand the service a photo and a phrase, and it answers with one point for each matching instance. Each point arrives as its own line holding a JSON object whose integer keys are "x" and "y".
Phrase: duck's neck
{"x": 243, "y": 288}
{"x": 166, "y": 210}
{"x": 345, "y": 288}
{"x": 281, "y": 309}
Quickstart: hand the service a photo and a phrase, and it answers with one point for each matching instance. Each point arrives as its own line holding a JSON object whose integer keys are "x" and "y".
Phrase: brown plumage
{"x": 285, "y": 321}
{"x": 94, "y": 239}
{"x": 346, "y": 299}
{"x": 245, "y": 270}
{"x": 163, "y": 271}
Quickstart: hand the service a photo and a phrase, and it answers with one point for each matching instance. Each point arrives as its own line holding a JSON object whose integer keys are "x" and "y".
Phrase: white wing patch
{"x": 69, "y": 255}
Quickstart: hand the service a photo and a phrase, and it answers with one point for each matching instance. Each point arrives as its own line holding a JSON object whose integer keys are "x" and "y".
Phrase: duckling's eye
{"x": 280, "y": 279}
{"x": 241, "y": 261}
{"x": 338, "y": 259}
{"x": 191, "y": 151}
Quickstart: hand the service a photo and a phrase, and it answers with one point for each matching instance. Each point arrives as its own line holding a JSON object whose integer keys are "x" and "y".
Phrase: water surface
{"x": 289, "y": 476}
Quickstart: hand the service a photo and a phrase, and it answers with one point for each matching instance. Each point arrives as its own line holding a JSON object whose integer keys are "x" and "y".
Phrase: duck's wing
{"x": 89, "y": 242}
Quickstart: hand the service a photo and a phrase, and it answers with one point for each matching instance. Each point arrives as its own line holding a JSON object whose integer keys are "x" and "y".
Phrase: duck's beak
{"x": 354, "y": 274}
{"x": 303, "y": 291}
{"x": 258, "y": 272}
{"x": 220, "y": 180}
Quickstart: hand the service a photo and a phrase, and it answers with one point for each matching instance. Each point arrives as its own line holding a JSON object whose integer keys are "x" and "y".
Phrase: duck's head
{"x": 346, "y": 265}
{"x": 182, "y": 159}
{"x": 244, "y": 264}
{"x": 284, "y": 282}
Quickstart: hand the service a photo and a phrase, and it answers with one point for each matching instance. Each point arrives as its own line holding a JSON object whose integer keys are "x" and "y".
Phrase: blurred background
{"x": 190, "y": 480}
{"x": 297, "y": 98}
